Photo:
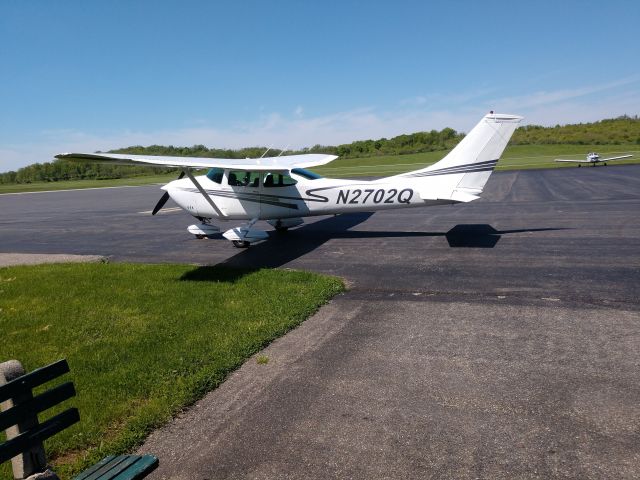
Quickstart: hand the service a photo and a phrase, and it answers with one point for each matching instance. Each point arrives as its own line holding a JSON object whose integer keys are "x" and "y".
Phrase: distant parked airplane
{"x": 593, "y": 158}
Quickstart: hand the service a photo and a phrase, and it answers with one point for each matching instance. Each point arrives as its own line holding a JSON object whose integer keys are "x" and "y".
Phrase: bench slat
{"x": 116, "y": 465}
{"x": 123, "y": 467}
{"x": 33, "y": 379}
{"x": 89, "y": 471}
{"x": 38, "y": 404}
{"x": 24, "y": 441}
{"x": 140, "y": 469}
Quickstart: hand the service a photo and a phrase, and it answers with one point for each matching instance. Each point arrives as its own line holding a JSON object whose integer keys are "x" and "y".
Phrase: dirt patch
{"x": 11, "y": 259}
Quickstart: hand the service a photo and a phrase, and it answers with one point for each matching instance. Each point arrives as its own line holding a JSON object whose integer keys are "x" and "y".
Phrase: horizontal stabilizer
{"x": 461, "y": 196}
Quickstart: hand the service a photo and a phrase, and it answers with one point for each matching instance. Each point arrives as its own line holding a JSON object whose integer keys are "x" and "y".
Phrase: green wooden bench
{"x": 25, "y": 434}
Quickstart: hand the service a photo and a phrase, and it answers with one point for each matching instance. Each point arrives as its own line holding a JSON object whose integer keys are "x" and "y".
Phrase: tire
{"x": 200, "y": 237}
{"x": 282, "y": 229}
{"x": 241, "y": 243}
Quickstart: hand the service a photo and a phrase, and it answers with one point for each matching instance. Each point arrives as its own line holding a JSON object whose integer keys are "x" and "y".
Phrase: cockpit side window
{"x": 278, "y": 180}
{"x": 243, "y": 178}
{"x": 215, "y": 174}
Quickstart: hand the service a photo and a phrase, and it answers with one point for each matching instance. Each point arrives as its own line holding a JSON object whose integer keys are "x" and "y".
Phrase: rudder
{"x": 468, "y": 166}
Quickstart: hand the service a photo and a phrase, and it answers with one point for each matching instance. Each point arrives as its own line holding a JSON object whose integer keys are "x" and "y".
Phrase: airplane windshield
{"x": 215, "y": 174}
{"x": 309, "y": 175}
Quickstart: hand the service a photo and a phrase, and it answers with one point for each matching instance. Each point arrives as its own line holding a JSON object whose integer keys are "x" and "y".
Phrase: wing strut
{"x": 203, "y": 192}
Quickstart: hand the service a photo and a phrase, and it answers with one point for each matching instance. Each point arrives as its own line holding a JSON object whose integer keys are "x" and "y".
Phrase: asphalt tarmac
{"x": 496, "y": 339}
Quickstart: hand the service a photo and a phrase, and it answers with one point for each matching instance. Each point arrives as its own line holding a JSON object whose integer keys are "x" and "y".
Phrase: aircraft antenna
{"x": 265, "y": 152}
{"x": 285, "y": 149}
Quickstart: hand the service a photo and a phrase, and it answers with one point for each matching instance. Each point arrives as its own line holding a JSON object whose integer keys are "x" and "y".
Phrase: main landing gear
{"x": 283, "y": 224}
{"x": 241, "y": 243}
{"x": 244, "y": 235}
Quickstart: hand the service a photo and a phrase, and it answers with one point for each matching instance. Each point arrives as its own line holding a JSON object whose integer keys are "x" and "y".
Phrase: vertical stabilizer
{"x": 468, "y": 166}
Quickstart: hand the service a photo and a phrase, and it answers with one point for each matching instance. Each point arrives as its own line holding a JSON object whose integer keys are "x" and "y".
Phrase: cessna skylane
{"x": 593, "y": 158}
{"x": 282, "y": 191}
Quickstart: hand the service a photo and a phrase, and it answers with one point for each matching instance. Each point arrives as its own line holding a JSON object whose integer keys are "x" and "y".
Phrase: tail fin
{"x": 462, "y": 174}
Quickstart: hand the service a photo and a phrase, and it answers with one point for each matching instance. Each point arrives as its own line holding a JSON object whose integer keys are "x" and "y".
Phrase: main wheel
{"x": 240, "y": 243}
{"x": 200, "y": 237}
{"x": 282, "y": 229}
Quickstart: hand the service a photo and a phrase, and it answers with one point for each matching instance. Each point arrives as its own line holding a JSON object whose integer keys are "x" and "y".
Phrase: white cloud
{"x": 414, "y": 101}
{"x": 540, "y": 98}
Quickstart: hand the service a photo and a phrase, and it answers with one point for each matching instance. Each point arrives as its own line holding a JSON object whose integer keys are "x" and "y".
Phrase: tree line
{"x": 613, "y": 131}
{"x": 621, "y": 130}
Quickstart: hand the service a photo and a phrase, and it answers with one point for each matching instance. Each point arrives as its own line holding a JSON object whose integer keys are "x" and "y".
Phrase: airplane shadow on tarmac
{"x": 282, "y": 248}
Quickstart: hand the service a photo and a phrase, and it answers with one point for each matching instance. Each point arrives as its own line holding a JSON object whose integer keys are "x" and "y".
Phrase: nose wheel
{"x": 240, "y": 243}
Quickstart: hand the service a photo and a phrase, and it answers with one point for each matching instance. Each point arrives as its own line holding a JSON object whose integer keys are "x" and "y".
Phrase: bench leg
{"x": 33, "y": 461}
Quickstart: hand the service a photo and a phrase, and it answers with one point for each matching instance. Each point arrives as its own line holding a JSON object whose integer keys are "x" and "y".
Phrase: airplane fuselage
{"x": 306, "y": 197}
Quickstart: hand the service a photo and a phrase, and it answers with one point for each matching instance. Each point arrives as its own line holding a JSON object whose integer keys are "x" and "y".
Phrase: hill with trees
{"x": 623, "y": 130}
{"x": 615, "y": 131}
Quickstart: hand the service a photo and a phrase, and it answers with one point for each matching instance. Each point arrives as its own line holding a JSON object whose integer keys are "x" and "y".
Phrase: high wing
{"x": 594, "y": 161}
{"x": 614, "y": 158}
{"x": 574, "y": 161}
{"x": 268, "y": 163}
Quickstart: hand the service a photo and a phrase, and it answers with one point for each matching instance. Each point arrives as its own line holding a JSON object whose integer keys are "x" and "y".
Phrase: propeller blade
{"x": 161, "y": 202}
{"x": 164, "y": 198}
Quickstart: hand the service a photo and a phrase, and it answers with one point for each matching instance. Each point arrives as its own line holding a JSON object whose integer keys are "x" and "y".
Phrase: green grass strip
{"x": 143, "y": 341}
{"x": 84, "y": 184}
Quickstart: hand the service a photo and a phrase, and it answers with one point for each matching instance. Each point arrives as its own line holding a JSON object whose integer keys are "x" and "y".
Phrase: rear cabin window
{"x": 309, "y": 175}
{"x": 278, "y": 180}
{"x": 242, "y": 178}
{"x": 215, "y": 175}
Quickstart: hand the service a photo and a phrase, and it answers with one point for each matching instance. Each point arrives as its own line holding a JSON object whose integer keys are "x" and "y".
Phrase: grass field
{"x": 143, "y": 341}
{"x": 515, "y": 157}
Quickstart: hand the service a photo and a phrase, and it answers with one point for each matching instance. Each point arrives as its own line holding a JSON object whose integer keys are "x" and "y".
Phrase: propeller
{"x": 164, "y": 198}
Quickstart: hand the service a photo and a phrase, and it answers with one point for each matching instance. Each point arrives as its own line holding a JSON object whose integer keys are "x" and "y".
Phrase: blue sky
{"x": 87, "y": 76}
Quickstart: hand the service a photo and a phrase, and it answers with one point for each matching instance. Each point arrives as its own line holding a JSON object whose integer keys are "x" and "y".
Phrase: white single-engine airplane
{"x": 593, "y": 158}
{"x": 281, "y": 191}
